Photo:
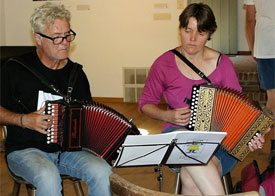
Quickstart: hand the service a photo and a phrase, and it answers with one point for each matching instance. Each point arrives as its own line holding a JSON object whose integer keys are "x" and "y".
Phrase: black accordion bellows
{"x": 227, "y": 110}
{"x": 93, "y": 127}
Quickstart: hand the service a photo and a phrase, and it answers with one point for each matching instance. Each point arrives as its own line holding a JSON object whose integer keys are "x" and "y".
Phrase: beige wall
{"x": 242, "y": 40}
{"x": 2, "y": 24}
{"x": 111, "y": 34}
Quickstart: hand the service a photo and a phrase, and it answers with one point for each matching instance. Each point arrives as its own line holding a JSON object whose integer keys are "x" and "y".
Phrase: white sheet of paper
{"x": 42, "y": 97}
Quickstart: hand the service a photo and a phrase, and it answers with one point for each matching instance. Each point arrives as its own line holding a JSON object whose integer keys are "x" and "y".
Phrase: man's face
{"x": 52, "y": 52}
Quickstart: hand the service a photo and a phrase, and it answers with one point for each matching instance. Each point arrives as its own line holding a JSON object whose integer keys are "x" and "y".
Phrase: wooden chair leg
{"x": 16, "y": 189}
{"x": 30, "y": 190}
{"x": 78, "y": 188}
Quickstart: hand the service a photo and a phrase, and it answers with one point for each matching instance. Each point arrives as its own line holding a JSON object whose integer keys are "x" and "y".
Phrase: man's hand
{"x": 37, "y": 121}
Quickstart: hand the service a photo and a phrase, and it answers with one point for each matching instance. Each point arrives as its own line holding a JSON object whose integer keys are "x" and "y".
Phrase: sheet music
{"x": 198, "y": 148}
{"x": 188, "y": 147}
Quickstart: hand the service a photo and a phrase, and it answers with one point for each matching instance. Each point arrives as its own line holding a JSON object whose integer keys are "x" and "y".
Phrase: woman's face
{"x": 192, "y": 40}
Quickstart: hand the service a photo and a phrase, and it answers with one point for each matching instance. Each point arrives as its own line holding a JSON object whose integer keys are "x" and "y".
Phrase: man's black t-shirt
{"x": 19, "y": 93}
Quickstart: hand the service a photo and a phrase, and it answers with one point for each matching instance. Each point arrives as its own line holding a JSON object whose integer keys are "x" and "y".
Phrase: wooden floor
{"x": 142, "y": 176}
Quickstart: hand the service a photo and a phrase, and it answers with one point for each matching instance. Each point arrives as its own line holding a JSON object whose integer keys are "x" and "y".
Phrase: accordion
{"x": 226, "y": 110}
{"x": 93, "y": 127}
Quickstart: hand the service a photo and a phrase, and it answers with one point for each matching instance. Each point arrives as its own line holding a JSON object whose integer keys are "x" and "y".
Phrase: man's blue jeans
{"x": 43, "y": 170}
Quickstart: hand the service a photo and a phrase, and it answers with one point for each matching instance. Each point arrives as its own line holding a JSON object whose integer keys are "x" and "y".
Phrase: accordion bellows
{"x": 93, "y": 127}
{"x": 223, "y": 109}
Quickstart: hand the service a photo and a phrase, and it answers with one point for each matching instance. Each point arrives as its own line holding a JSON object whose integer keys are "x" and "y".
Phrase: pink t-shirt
{"x": 165, "y": 79}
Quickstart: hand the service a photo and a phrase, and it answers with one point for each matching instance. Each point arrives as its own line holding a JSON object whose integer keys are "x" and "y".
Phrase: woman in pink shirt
{"x": 171, "y": 78}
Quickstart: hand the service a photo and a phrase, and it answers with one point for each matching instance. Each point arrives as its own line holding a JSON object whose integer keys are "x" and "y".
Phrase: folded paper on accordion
{"x": 227, "y": 110}
{"x": 175, "y": 148}
{"x": 93, "y": 127}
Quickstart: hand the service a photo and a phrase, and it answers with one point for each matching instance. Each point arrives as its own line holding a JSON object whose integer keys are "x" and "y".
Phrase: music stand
{"x": 175, "y": 148}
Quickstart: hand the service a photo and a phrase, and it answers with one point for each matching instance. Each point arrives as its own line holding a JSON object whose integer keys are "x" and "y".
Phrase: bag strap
{"x": 72, "y": 79}
{"x": 191, "y": 65}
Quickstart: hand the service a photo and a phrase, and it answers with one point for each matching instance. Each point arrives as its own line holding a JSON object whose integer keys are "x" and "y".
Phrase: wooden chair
{"x": 122, "y": 187}
{"x": 31, "y": 189}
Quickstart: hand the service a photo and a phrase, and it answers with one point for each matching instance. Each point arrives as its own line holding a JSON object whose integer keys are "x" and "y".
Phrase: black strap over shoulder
{"x": 191, "y": 65}
{"x": 74, "y": 74}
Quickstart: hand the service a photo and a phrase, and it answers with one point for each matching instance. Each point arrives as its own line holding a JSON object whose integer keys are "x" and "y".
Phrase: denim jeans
{"x": 266, "y": 70}
{"x": 43, "y": 170}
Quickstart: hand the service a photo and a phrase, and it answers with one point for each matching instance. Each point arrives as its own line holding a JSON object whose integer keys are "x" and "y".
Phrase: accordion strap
{"x": 191, "y": 65}
{"x": 73, "y": 76}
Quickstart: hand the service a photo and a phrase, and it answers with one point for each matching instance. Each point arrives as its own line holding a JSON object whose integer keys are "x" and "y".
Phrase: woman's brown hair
{"x": 204, "y": 16}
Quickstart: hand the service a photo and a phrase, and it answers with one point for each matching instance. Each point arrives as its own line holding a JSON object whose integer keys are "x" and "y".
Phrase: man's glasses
{"x": 58, "y": 40}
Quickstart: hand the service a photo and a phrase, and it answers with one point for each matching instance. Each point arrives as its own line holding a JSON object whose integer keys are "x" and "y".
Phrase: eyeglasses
{"x": 58, "y": 40}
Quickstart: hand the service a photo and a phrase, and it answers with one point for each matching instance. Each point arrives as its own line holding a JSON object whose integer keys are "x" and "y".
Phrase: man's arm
{"x": 9, "y": 118}
{"x": 250, "y": 21}
{"x": 34, "y": 121}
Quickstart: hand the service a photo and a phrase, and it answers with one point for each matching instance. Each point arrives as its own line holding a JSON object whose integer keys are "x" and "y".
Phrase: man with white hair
{"x": 22, "y": 93}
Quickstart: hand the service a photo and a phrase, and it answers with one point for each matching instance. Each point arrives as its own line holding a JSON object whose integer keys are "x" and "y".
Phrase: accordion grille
{"x": 226, "y": 110}
{"x": 103, "y": 128}
{"x": 233, "y": 114}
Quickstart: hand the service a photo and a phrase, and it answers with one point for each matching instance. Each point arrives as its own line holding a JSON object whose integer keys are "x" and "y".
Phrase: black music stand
{"x": 175, "y": 148}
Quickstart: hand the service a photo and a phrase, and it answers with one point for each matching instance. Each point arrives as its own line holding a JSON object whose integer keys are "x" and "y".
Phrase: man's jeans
{"x": 43, "y": 170}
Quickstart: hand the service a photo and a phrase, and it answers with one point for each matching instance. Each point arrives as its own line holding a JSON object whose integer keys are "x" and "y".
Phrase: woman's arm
{"x": 178, "y": 116}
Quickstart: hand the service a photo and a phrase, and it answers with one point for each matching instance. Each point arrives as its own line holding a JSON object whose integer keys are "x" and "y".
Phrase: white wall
{"x": 111, "y": 34}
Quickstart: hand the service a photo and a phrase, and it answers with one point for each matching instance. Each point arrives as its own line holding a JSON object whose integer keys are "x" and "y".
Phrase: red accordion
{"x": 94, "y": 127}
{"x": 222, "y": 109}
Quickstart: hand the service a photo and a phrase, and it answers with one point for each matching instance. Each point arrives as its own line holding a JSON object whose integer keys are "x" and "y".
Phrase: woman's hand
{"x": 179, "y": 116}
{"x": 37, "y": 121}
{"x": 258, "y": 141}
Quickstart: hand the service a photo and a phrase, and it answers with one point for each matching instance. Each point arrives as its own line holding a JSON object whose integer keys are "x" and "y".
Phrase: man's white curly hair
{"x": 46, "y": 14}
